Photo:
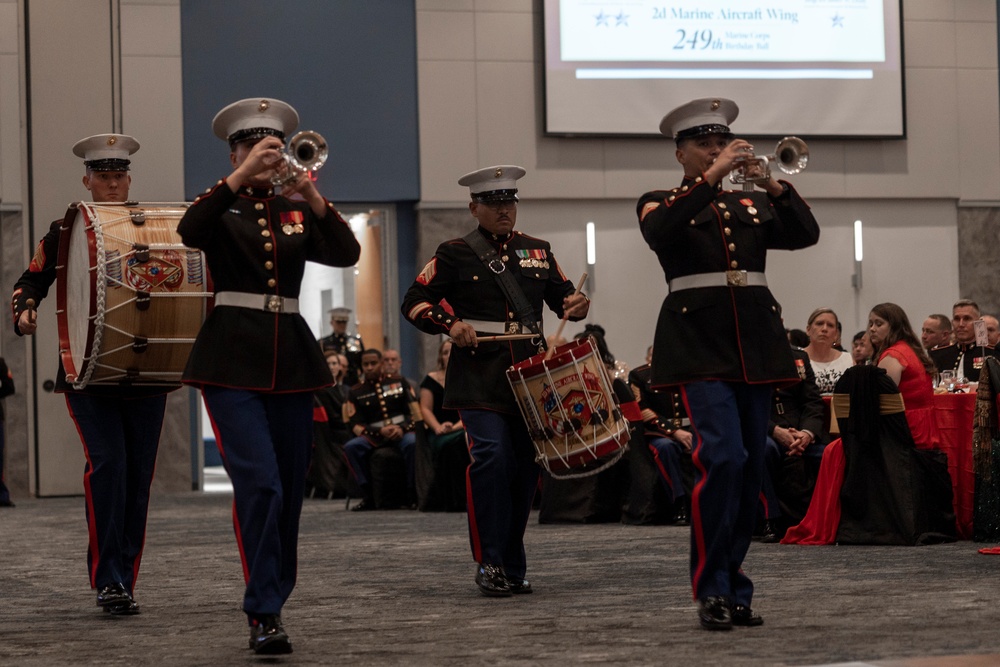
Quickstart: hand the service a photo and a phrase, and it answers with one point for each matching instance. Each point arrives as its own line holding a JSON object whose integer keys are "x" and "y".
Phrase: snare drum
{"x": 570, "y": 409}
{"x": 130, "y": 296}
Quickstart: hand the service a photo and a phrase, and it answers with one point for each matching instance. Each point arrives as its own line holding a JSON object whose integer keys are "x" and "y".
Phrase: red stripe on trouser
{"x": 663, "y": 470}
{"x": 89, "y": 500}
{"x": 477, "y": 548}
{"x": 236, "y": 518}
{"x": 697, "y": 528}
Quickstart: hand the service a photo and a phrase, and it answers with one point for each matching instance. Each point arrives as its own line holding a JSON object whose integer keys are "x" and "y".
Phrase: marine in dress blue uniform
{"x": 119, "y": 425}
{"x": 255, "y": 358}
{"x": 503, "y": 475}
{"x": 382, "y": 412}
{"x": 341, "y": 342}
{"x": 724, "y": 331}
{"x": 666, "y": 431}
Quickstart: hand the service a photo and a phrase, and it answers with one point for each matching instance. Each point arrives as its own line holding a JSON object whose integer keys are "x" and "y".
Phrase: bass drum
{"x": 130, "y": 296}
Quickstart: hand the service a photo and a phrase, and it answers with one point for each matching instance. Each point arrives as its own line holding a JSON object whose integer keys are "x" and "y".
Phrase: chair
{"x": 892, "y": 493}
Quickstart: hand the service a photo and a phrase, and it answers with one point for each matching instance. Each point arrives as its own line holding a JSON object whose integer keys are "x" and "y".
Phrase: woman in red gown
{"x": 898, "y": 351}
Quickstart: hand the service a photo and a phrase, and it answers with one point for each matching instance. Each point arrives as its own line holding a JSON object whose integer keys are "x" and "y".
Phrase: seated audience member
{"x": 828, "y": 363}
{"x": 328, "y": 475}
{"x": 796, "y": 438}
{"x": 445, "y": 436}
{"x": 861, "y": 349}
{"x": 392, "y": 364}
{"x": 901, "y": 356}
{"x": 797, "y": 337}
{"x": 382, "y": 412}
{"x": 963, "y": 356}
{"x": 992, "y": 329}
{"x": 665, "y": 431}
{"x": 936, "y": 332}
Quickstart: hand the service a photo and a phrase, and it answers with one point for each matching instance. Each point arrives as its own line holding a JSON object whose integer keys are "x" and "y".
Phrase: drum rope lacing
{"x": 90, "y": 362}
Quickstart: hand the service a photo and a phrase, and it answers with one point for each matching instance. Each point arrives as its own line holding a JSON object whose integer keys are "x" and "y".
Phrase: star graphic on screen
{"x": 838, "y": 21}
{"x": 602, "y": 19}
{"x": 621, "y": 19}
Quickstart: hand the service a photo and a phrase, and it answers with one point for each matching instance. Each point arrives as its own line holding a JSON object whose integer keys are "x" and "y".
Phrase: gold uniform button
{"x": 259, "y": 206}
{"x": 268, "y": 265}
{"x": 671, "y": 198}
{"x": 726, "y": 215}
{"x": 219, "y": 182}
{"x": 272, "y": 282}
{"x": 698, "y": 180}
{"x": 684, "y": 188}
{"x": 722, "y": 204}
{"x": 774, "y": 309}
{"x": 756, "y": 221}
{"x": 684, "y": 309}
{"x": 207, "y": 190}
{"x": 728, "y": 231}
{"x": 268, "y": 247}
{"x": 734, "y": 264}
{"x": 732, "y": 247}
{"x": 265, "y": 232}
{"x": 505, "y": 258}
{"x": 692, "y": 222}
{"x": 262, "y": 222}
{"x": 475, "y": 277}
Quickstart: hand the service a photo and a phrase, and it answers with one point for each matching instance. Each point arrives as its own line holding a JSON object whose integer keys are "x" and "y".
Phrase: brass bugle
{"x": 791, "y": 156}
{"x": 306, "y": 151}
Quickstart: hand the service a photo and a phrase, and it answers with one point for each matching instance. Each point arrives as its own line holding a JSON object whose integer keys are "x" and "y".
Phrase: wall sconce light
{"x": 858, "y": 255}
{"x": 591, "y": 254}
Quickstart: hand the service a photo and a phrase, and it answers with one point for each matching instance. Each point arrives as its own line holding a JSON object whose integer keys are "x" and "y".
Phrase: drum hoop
{"x": 590, "y": 473}
{"x": 78, "y": 209}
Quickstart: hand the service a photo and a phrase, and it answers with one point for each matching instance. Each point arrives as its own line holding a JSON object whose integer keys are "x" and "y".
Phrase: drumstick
{"x": 32, "y": 313}
{"x": 565, "y": 317}
{"x": 506, "y": 337}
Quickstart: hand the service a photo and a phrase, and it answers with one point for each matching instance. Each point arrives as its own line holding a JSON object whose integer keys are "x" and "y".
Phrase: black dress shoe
{"x": 113, "y": 594}
{"x": 713, "y": 613}
{"x": 745, "y": 616}
{"x": 492, "y": 581}
{"x": 364, "y": 506}
{"x": 267, "y": 637}
{"x": 7, "y": 503}
{"x": 130, "y": 608}
{"x": 519, "y": 586}
{"x": 767, "y": 535}
{"x": 683, "y": 515}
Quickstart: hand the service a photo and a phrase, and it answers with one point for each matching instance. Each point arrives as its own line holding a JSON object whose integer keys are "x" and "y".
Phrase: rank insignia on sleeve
{"x": 38, "y": 261}
{"x": 650, "y": 206}
{"x": 427, "y": 275}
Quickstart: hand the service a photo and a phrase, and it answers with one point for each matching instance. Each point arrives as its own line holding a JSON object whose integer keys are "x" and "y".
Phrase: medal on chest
{"x": 292, "y": 222}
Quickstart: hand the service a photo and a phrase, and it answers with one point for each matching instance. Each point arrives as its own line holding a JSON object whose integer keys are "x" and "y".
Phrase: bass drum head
{"x": 76, "y": 306}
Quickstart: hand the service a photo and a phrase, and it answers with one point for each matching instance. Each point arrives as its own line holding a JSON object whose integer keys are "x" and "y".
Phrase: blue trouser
{"x": 501, "y": 482}
{"x": 359, "y": 454}
{"x": 667, "y": 456}
{"x": 120, "y": 437}
{"x": 729, "y": 422}
{"x": 772, "y": 465}
{"x": 265, "y": 441}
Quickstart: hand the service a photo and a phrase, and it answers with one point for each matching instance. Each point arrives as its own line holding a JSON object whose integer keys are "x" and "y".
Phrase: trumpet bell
{"x": 307, "y": 151}
{"x": 791, "y": 155}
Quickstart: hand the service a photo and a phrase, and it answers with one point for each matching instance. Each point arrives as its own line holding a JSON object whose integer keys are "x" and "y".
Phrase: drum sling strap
{"x": 522, "y": 308}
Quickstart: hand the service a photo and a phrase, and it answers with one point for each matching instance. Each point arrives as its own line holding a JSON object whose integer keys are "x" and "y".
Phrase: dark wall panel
{"x": 347, "y": 66}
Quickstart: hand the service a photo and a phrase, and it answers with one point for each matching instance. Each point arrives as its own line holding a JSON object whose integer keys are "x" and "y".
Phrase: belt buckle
{"x": 513, "y": 328}
{"x": 736, "y": 278}
{"x": 495, "y": 270}
{"x": 272, "y": 303}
